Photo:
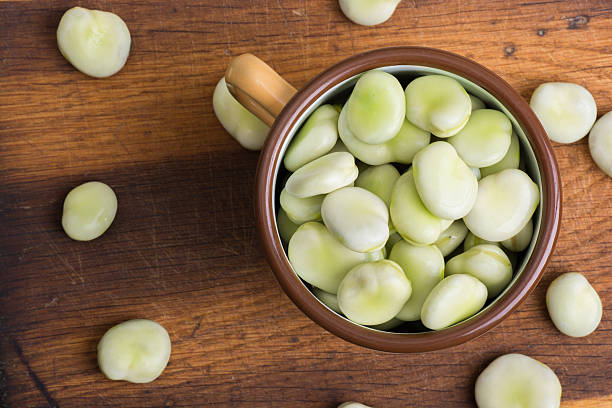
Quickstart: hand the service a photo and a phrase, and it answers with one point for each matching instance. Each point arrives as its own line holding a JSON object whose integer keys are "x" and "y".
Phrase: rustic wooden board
{"x": 183, "y": 250}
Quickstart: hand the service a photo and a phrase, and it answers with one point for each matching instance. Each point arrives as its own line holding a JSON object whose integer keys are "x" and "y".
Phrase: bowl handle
{"x": 258, "y": 87}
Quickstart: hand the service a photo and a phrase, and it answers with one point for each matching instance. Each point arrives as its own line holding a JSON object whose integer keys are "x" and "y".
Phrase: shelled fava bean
{"x": 371, "y": 208}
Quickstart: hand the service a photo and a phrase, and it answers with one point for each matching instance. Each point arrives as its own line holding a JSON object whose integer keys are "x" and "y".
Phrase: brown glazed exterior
{"x": 408, "y": 342}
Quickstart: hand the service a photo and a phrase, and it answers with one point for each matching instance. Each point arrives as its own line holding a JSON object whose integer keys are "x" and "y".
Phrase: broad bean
{"x": 373, "y": 292}
{"x": 438, "y": 104}
{"x": 411, "y": 219}
{"x": 376, "y": 108}
{"x": 301, "y": 210}
{"x": 320, "y": 259}
{"x": 452, "y": 300}
{"x": 452, "y": 237}
{"x": 286, "y": 227}
{"x": 424, "y": 268}
{"x": 89, "y": 209}
{"x": 358, "y": 218}
{"x": 485, "y": 139}
{"x": 515, "y": 380}
{"x": 573, "y": 305}
{"x": 136, "y": 351}
{"x": 401, "y": 148}
{"x": 323, "y": 175}
{"x": 487, "y": 263}
{"x": 95, "y": 42}
{"x": 510, "y": 161}
{"x": 567, "y": 111}
{"x": 520, "y": 241}
{"x": 477, "y": 103}
{"x": 242, "y": 125}
{"x": 505, "y": 203}
{"x": 316, "y": 138}
{"x": 446, "y": 185}
{"x": 328, "y": 299}
{"x": 600, "y": 143}
{"x": 379, "y": 180}
{"x": 368, "y": 12}
{"x": 472, "y": 240}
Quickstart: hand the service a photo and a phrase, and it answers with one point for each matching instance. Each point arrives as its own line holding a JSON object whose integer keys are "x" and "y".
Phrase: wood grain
{"x": 183, "y": 250}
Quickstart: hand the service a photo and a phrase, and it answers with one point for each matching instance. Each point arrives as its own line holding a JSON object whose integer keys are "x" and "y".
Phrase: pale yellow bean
{"x": 373, "y": 292}
{"x": 95, "y": 42}
{"x": 135, "y": 350}
{"x": 515, "y": 380}
{"x": 316, "y": 138}
{"x": 323, "y": 175}
{"x": 487, "y": 263}
{"x": 452, "y": 300}
{"x": 247, "y": 129}
{"x": 424, "y": 268}
{"x": 573, "y": 305}
{"x": 320, "y": 259}
{"x": 452, "y": 237}
{"x": 357, "y": 218}
{"x": 89, "y": 210}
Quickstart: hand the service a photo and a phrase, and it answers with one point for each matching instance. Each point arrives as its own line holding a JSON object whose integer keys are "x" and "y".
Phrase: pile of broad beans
{"x": 385, "y": 188}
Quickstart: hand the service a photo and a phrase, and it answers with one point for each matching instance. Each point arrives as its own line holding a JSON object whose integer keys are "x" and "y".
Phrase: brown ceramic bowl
{"x": 275, "y": 101}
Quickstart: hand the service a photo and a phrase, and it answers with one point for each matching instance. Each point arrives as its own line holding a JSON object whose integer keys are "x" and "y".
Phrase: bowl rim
{"x": 271, "y": 156}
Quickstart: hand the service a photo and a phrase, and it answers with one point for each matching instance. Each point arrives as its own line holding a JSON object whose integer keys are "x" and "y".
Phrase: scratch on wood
{"x": 37, "y": 382}
{"x": 197, "y": 326}
{"x": 282, "y": 11}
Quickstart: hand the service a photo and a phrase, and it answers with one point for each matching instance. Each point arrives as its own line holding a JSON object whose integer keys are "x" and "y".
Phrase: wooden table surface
{"x": 183, "y": 250}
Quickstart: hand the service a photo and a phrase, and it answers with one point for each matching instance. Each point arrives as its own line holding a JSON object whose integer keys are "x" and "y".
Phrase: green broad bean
{"x": 438, "y": 104}
{"x": 573, "y": 305}
{"x": 472, "y": 240}
{"x": 453, "y": 299}
{"x": 368, "y": 12}
{"x": 352, "y": 404}
{"x": 567, "y": 111}
{"x": 505, "y": 203}
{"x": 97, "y": 43}
{"x": 373, "y": 292}
{"x": 446, "y": 185}
{"x": 242, "y": 125}
{"x": 136, "y": 351}
{"x": 451, "y": 238}
{"x": 358, "y": 218}
{"x": 89, "y": 209}
{"x": 328, "y": 299}
{"x": 477, "y": 103}
{"x": 520, "y": 241}
{"x": 515, "y": 380}
{"x": 424, "y": 268}
{"x": 600, "y": 143}
{"x": 510, "y": 161}
{"x": 316, "y": 138}
{"x": 412, "y": 220}
{"x": 320, "y": 259}
{"x": 286, "y": 227}
{"x": 301, "y": 210}
{"x": 379, "y": 180}
{"x": 323, "y": 175}
{"x": 485, "y": 139}
{"x": 401, "y": 148}
{"x": 376, "y": 108}
{"x": 487, "y": 263}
